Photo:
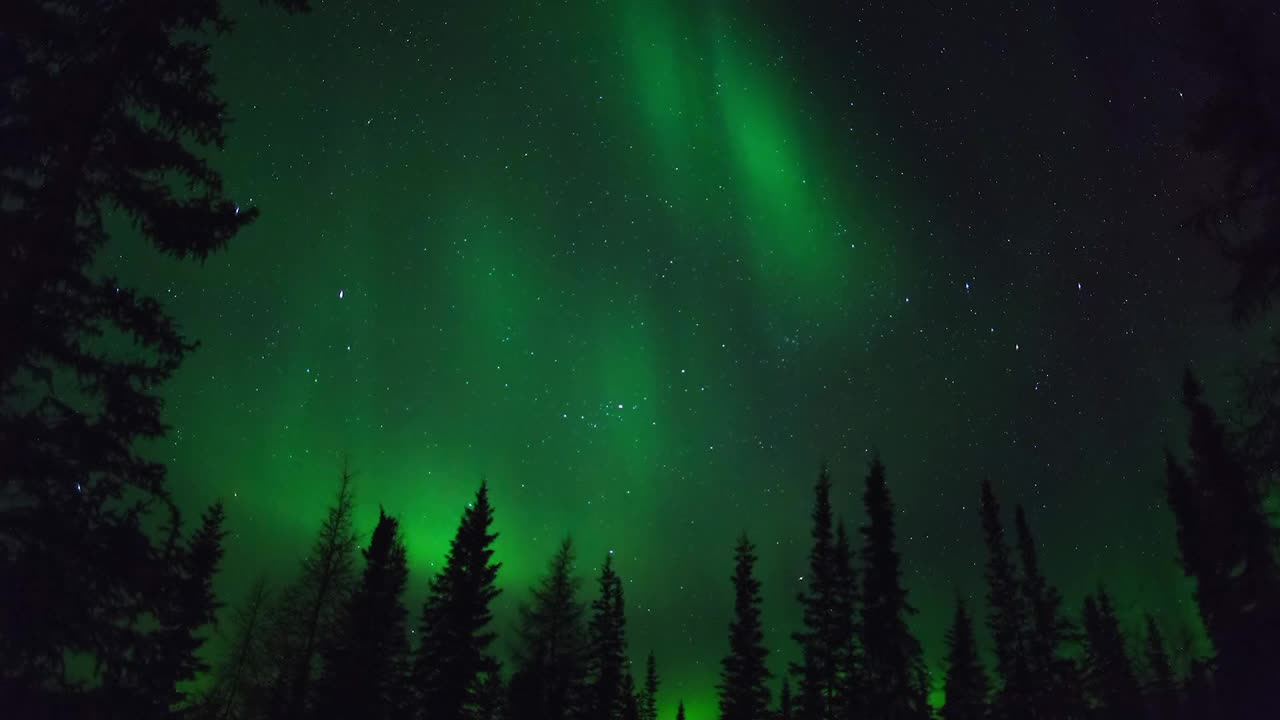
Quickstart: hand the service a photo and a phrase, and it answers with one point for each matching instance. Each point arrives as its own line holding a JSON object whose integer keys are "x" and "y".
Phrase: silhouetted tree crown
{"x": 607, "y": 667}
{"x": 744, "y": 692}
{"x": 817, "y": 672}
{"x": 1109, "y": 673}
{"x": 453, "y": 667}
{"x": 549, "y": 680}
{"x": 1006, "y": 617}
{"x": 366, "y": 662}
{"x": 965, "y": 687}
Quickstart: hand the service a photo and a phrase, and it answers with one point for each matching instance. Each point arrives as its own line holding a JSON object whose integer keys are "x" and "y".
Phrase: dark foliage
{"x": 366, "y": 662}
{"x": 549, "y": 680}
{"x": 649, "y": 694}
{"x": 1162, "y": 684}
{"x": 607, "y": 660}
{"x": 1006, "y": 618}
{"x": 817, "y": 673}
{"x": 892, "y": 661}
{"x": 744, "y": 693}
{"x": 1227, "y": 543}
{"x": 966, "y": 686}
{"x": 1109, "y": 674}
{"x": 105, "y": 109}
{"x": 453, "y": 672}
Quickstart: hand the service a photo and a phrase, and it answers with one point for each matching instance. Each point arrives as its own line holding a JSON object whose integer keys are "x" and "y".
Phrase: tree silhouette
{"x": 848, "y": 699}
{"x": 817, "y": 673}
{"x": 1109, "y": 671}
{"x": 744, "y": 693}
{"x": 680, "y": 711}
{"x": 1056, "y": 679}
{"x": 891, "y": 655}
{"x": 784, "y": 700}
{"x": 966, "y": 685}
{"x": 453, "y": 672}
{"x": 365, "y": 664}
{"x": 608, "y": 647}
{"x": 309, "y": 610}
{"x": 649, "y": 696}
{"x": 239, "y": 691}
{"x": 1227, "y": 543}
{"x": 549, "y": 682}
{"x": 1162, "y": 684}
{"x": 107, "y": 108}
{"x": 1006, "y": 617}
{"x": 630, "y": 697}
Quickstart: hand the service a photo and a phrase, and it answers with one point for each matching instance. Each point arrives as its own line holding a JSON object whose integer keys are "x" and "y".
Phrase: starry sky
{"x": 644, "y": 264}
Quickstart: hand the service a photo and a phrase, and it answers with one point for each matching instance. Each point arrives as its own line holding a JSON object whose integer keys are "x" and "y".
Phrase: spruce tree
{"x": 1162, "y": 684}
{"x": 1109, "y": 672}
{"x": 1056, "y": 680}
{"x": 608, "y": 647}
{"x": 110, "y": 109}
{"x": 784, "y": 700}
{"x": 365, "y": 664}
{"x": 848, "y": 699}
{"x": 817, "y": 672}
{"x": 680, "y": 711}
{"x": 744, "y": 693}
{"x": 1006, "y": 617}
{"x": 630, "y": 697}
{"x": 966, "y": 685}
{"x": 549, "y": 681}
{"x": 1227, "y": 543}
{"x": 891, "y": 655}
{"x": 309, "y": 610}
{"x": 453, "y": 671}
{"x": 649, "y": 704}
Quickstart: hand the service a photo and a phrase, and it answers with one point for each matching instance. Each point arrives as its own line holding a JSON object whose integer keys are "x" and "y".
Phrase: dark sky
{"x": 644, "y": 264}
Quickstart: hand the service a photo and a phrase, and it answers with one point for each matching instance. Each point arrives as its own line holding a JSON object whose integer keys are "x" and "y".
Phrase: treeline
{"x": 335, "y": 643}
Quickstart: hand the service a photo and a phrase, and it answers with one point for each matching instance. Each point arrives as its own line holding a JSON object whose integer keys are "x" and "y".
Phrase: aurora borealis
{"x": 644, "y": 264}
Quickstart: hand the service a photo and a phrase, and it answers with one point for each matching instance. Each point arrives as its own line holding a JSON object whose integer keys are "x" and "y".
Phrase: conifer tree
{"x": 549, "y": 682}
{"x": 680, "y": 711}
{"x": 1109, "y": 675}
{"x": 454, "y": 674}
{"x": 109, "y": 109}
{"x": 1056, "y": 682}
{"x": 848, "y": 699}
{"x": 239, "y": 691}
{"x": 649, "y": 706}
{"x": 1227, "y": 543}
{"x": 630, "y": 697}
{"x": 891, "y": 655}
{"x": 744, "y": 694}
{"x": 966, "y": 685}
{"x": 784, "y": 700}
{"x": 1006, "y": 617}
{"x": 1162, "y": 684}
{"x": 817, "y": 673}
{"x": 309, "y": 609}
{"x": 608, "y": 647}
{"x": 366, "y": 663}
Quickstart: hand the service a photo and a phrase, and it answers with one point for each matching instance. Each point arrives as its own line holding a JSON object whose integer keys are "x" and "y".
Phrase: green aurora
{"x": 643, "y": 265}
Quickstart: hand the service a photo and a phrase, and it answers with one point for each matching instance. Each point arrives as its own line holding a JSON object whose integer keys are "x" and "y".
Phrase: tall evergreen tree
{"x": 817, "y": 673}
{"x": 649, "y": 704}
{"x": 1162, "y": 684}
{"x": 784, "y": 700}
{"x": 891, "y": 655}
{"x": 366, "y": 663}
{"x": 1055, "y": 690}
{"x": 1227, "y": 543}
{"x": 310, "y": 608}
{"x": 1006, "y": 617}
{"x": 630, "y": 697}
{"x": 238, "y": 691}
{"x": 1109, "y": 674}
{"x": 966, "y": 686}
{"x": 608, "y": 647}
{"x": 549, "y": 682}
{"x": 848, "y": 700}
{"x": 453, "y": 671}
{"x": 108, "y": 107}
{"x": 680, "y": 711}
{"x": 744, "y": 693}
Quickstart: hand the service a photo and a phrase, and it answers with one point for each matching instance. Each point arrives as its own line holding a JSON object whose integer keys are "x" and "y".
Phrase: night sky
{"x": 644, "y": 264}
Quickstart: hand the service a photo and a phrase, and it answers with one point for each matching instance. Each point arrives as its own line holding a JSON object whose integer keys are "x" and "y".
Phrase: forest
{"x": 107, "y": 593}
